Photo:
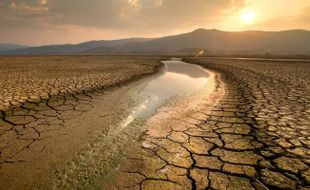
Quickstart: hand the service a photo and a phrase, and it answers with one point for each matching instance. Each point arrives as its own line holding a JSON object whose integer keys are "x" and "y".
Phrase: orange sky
{"x": 38, "y": 22}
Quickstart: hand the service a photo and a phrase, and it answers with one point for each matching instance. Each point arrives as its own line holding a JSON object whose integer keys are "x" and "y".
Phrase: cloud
{"x": 105, "y": 14}
{"x": 21, "y": 20}
{"x": 175, "y": 13}
{"x": 129, "y": 14}
{"x": 119, "y": 14}
{"x": 131, "y": 17}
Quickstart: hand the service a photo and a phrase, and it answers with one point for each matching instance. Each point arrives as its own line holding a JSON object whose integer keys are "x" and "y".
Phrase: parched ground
{"x": 255, "y": 136}
{"x": 272, "y": 99}
{"x": 41, "y": 99}
{"x": 29, "y": 78}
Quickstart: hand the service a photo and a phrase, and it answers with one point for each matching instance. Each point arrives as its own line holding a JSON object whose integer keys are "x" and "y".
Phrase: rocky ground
{"x": 255, "y": 136}
{"x": 41, "y": 96}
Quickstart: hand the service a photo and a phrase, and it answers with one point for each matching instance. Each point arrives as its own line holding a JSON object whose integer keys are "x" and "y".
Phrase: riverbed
{"x": 177, "y": 88}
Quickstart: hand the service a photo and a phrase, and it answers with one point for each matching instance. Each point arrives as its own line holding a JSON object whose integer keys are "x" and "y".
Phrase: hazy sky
{"x": 36, "y": 22}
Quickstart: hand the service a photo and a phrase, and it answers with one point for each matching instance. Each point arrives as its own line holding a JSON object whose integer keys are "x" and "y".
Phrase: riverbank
{"x": 40, "y": 134}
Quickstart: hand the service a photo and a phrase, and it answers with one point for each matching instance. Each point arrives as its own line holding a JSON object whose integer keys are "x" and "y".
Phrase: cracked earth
{"x": 25, "y": 79}
{"x": 42, "y": 101}
{"x": 255, "y": 136}
{"x": 252, "y": 132}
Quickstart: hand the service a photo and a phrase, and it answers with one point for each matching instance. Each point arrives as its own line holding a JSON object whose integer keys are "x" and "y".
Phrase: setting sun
{"x": 248, "y": 16}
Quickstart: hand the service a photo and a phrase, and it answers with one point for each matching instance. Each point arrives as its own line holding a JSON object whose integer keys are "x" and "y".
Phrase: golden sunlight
{"x": 248, "y": 16}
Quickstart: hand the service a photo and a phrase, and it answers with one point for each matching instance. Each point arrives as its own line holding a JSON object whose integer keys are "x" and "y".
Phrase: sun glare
{"x": 248, "y": 16}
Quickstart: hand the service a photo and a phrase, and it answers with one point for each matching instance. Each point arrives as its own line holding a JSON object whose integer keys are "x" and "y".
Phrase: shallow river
{"x": 176, "y": 80}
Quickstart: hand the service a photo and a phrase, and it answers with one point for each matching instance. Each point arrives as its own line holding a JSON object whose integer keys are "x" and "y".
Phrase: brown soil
{"x": 53, "y": 106}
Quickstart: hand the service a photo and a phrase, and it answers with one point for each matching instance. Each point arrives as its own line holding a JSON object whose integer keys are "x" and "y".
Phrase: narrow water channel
{"x": 176, "y": 80}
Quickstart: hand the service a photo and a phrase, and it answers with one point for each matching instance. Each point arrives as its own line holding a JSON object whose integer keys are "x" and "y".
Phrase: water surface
{"x": 177, "y": 79}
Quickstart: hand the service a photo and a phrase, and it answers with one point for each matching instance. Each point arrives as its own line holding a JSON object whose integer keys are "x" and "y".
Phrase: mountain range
{"x": 7, "y": 47}
{"x": 211, "y": 41}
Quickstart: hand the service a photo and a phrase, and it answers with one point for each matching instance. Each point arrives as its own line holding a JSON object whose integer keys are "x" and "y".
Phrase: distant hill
{"x": 211, "y": 41}
{"x": 215, "y": 41}
{"x": 71, "y": 48}
{"x": 6, "y": 47}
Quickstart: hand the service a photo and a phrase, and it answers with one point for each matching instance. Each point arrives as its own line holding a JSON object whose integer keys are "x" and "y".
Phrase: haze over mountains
{"x": 6, "y": 47}
{"x": 211, "y": 41}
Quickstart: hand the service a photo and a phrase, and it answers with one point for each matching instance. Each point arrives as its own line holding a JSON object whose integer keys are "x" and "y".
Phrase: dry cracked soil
{"x": 252, "y": 134}
{"x": 50, "y": 106}
{"x": 255, "y": 136}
